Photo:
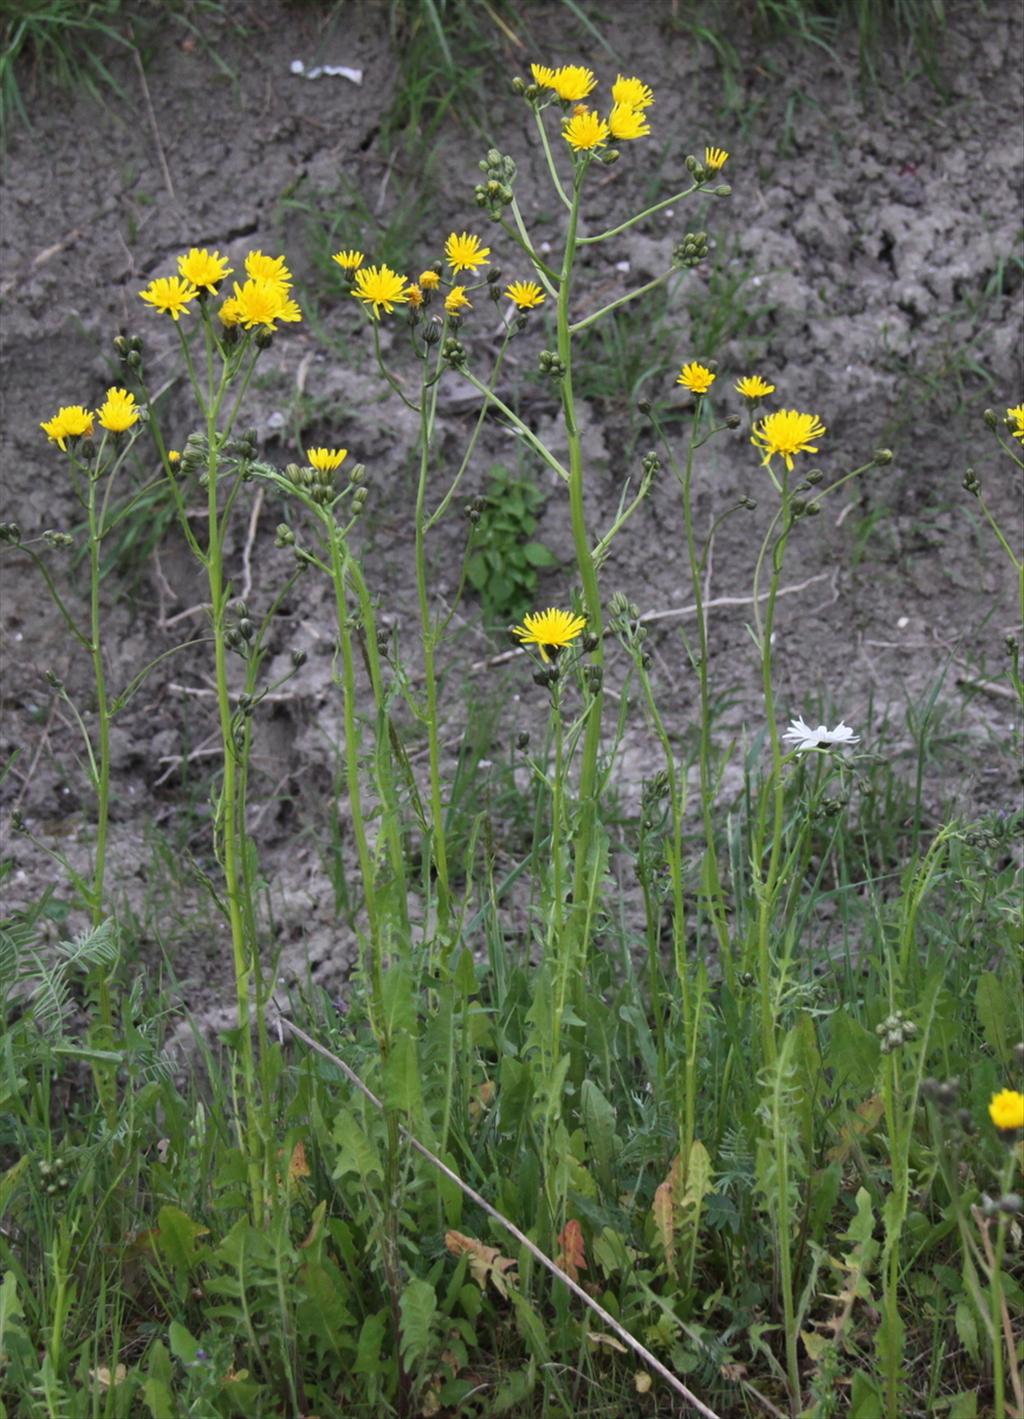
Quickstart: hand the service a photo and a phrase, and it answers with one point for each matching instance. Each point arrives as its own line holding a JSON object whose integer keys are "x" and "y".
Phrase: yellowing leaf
{"x": 664, "y": 1208}
{"x": 298, "y": 1167}
{"x": 599, "y": 1337}
{"x": 106, "y": 1378}
{"x": 867, "y": 1117}
{"x": 572, "y": 1258}
{"x": 485, "y": 1263}
{"x": 642, "y": 1381}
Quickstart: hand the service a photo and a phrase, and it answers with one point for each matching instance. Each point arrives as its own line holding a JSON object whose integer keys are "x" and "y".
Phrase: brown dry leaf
{"x": 663, "y": 1207}
{"x": 485, "y": 1263}
{"x": 734, "y": 1373}
{"x": 643, "y": 1382}
{"x": 298, "y": 1167}
{"x": 484, "y": 1097}
{"x": 107, "y": 1379}
{"x": 572, "y": 1258}
{"x": 430, "y": 1404}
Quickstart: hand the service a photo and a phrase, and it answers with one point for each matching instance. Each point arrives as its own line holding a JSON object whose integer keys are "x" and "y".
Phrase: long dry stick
{"x": 651, "y": 1360}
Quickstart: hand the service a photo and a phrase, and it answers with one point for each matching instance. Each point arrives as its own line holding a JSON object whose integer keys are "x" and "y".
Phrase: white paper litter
{"x": 622, "y": 266}
{"x": 334, "y": 71}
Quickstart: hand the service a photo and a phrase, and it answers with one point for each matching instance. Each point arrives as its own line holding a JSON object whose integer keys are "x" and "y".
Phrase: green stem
{"x": 442, "y": 506}
{"x": 622, "y": 300}
{"x": 531, "y": 438}
{"x": 632, "y": 221}
{"x": 556, "y": 180}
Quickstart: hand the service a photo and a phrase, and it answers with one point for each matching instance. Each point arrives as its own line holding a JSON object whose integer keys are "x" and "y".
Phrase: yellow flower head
{"x": 1017, "y": 415}
{"x": 230, "y": 312}
{"x": 585, "y": 131}
{"x": 170, "y": 294}
{"x": 631, "y": 92}
{"x": 429, "y": 281}
{"x": 550, "y": 631}
{"x": 379, "y": 286}
{"x": 572, "y": 82}
{"x": 326, "y": 459}
{"x": 414, "y": 295}
{"x": 71, "y": 421}
{"x": 525, "y": 294}
{"x": 626, "y": 122}
{"x": 118, "y": 413}
{"x": 715, "y": 158}
{"x": 752, "y": 386}
{"x": 786, "y": 433}
{"x": 349, "y": 260}
{"x": 1006, "y": 1110}
{"x": 697, "y": 378}
{"x": 173, "y": 456}
{"x": 456, "y": 301}
{"x": 268, "y": 268}
{"x": 261, "y": 302}
{"x": 543, "y": 76}
{"x": 205, "y": 269}
{"x": 465, "y": 253}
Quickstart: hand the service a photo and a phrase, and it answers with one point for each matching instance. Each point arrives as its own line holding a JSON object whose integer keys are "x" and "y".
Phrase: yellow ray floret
{"x": 626, "y": 122}
{"x": 585, "y": 131}
{"x": 696, "y": 378}
{"x": 414, "y": 295}
{"x": 429, "y": 280}
{"x": 267, "y": 268}
{"x": 349, "y": 260}
{"x": 632, "y": 92}
{"x": 260, "y": 301}
{"x": 550, "y": 631}
{"x": 456, "y": 301}
{"x": 204, "y": 269}
{"x": 170, "y": 294}
{"x": 525, "y": 294}
{"x": 1006, "y": 1109}
{"x": 326, "y": 459}
{"x": 786, "y": 433}
{"x": 1017, "y": 416}
{"x": 752, "y": 386}
{"x": 118, "y": 412}
{"x": 381, "y": 288}
{"x": 572, "y": 82}
{"x": 70, "y": 421}
{"x": 715, "y": 158}
{"x": 543, "y": 75}
{"x": 465, "y": 253}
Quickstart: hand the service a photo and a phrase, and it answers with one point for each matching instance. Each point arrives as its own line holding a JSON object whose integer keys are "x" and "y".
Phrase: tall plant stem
{"x": 716, "y": 897}
{"x": 588, "y": 576}
{"x": 438, "y": 845}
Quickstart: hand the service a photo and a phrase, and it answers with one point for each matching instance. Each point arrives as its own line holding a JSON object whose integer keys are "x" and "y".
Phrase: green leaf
{"x": 853, "y": 1052}
{"x": 371, "y": 1337}
{"x": 994, "y": 1004}
{"x": 402, "y": 1089}
{"x": 177, "y": 1238}
{"x": 967, "y": 1328}
{"x": 357, "y": 1153}
{"x": 538, "y": 555}
{"x": 476, "y": 571}
{"x": 865, "y": 1397}
{"x": 183, "y": 1343}
{"x": 964, "y": 1405}
{"x": 417, "y": 1307}
{"x": 599, "y": 1124}
{"x": 157, "y": 1392}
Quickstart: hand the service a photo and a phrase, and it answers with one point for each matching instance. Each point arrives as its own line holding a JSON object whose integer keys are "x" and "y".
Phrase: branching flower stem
{"x": 622, "y": 300}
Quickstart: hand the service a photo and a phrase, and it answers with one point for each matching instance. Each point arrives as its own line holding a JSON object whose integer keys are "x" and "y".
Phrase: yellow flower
{"x": 631, "y": 92}
{"x": 230, "y": 312}
{"x": 349, "y": 260}
{"x": 204, "y": 269}
{"x": 118, "y": 413}
{"x": 585, "y": 131}
{"x": 752, "y": 386}
{"x": 697, "y": 378}
{"x": 543, "y": 75}
{"x": 429, "y": 280}
{"x": 715, "y": 158}
{"x": 268, "y": 268}
{"x": 326, "y": 459}
{"x": 1017, "y": 415}
{"x": 525, "y": 294}
{"x": 465, "y": 253}
{"x": 1006, "y": 1110}
{"x": 378, "y": 286}
{"x": 626, "y": 122}
{"x": 173, "y": 456}
{"x": 261, "y": 302}
{"x": 170, "y": 294}
{"x": 551, "y": 630}
{"x": 414, "y": 295}
{"x": 70, "y": 421}
{"x": 456, "y": 301}
{"x": 572, "y": 82}
{"x": 786, "y": 433}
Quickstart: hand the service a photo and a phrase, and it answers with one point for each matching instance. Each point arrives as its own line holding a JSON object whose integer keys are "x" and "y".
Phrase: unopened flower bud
{"x": 747, "y": 504}
{"x": 264, "y": 339}
{"x": 53, "y": 680}
{"x": 991, "y": 418}
{"x": 523, "y": 739}
{"x": 10, "y": 532}
{"x": 589, "y": 642}
{"x": 643, "y": 406}
{"x": 134, "y": 359}
{"x": 594, "y": 678}
{"x": 609, "y": 156}
{"x": 121, "y": 345}
{"x": 732, "y": 421}
{"x": 518, "y": 87}
{"x": 971, "y": 482}
{"x": 1011, "y": 1203}
{"x": 882, "y": 457}
{"x": 814, "y": 477}
{"x": 298, "y": 659}
{"x": 724, "y": 191}
{"x": 284, "y": 536}
{"x": 691, "y": 164}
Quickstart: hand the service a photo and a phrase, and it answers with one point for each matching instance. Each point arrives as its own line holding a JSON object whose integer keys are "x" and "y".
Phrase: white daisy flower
{"x": 802, "y": 736}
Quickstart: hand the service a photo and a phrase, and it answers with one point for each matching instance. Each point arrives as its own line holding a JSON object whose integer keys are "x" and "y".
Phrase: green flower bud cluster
{"x": 316, "y": 483}
{"x": 546, "y": 675}
{"x": 593, "y": 678}
{"x": 943, "y": 1093}
{"x": 894, "y": 1031}
{"x": 454, "y": 352}
{"x": 650, "y": 463}
{"x": 549, "y": 363}
{"x": 284, "y": 536}
{"x": 496, "y": 193}
{"x": 55, "y": 1179}
{"x": 972, "y": 482}
{"x": 691, "y": 251}
{"x": 195, "y": 454}
{"x": 475, "y": 508}
{"x": 58, "y": 539}
{"x": 10, "y": 532}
